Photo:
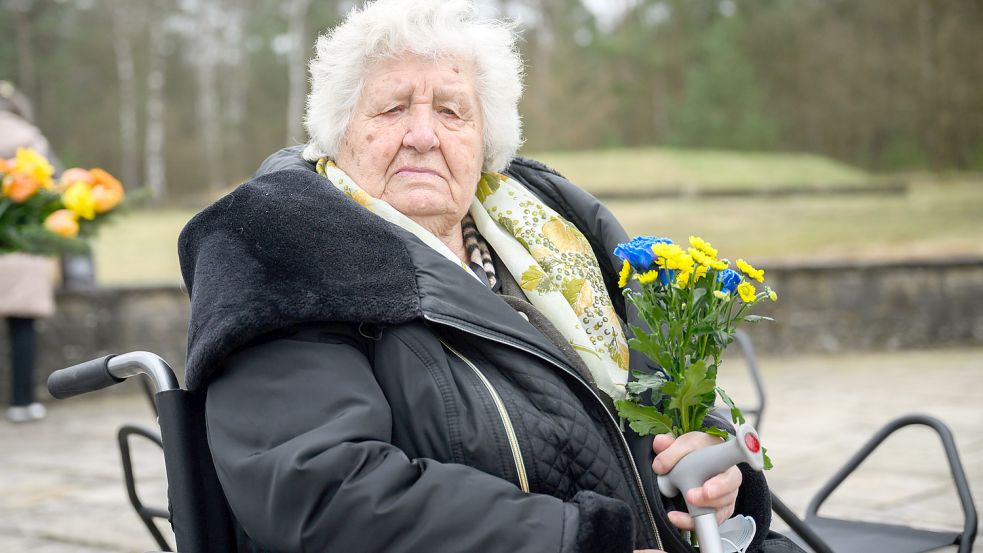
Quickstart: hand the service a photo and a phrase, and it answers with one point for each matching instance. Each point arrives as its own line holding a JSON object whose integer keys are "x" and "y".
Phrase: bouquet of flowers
{"x": 41, "y": 216}
{"x": 692, "y": 303}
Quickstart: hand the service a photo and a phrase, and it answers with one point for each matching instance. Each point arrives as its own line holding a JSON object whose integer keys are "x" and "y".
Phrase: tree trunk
{"x": 155, "y": 175}
{"x": 297, "y": 70}
{"x": 209, "y": 18}
{"x": 23, "y": 30}
{"x": 127, "y": 93}
{"x": 235, "y": 84}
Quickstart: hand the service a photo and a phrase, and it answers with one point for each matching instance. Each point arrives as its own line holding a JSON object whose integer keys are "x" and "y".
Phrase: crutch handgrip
{"x": 693, "y": 470}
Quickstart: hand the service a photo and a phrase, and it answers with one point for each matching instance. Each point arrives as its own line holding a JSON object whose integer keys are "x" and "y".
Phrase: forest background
{"x": 187, "y": 96}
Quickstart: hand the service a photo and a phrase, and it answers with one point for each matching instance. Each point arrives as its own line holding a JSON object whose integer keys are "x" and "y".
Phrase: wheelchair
{"x": 197, "y": 510}
{"x": 202, "y": 521}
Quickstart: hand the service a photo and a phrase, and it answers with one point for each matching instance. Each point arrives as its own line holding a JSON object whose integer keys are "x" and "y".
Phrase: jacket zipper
{"x": 520, "y": 466}
{"x": 624, "y": 443}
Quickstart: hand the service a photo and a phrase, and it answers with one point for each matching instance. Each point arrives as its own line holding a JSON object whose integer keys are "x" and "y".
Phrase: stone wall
{"x": 829, "y": 307}
{"x": 92, "y": 323}
{"x": 835, "y": 307}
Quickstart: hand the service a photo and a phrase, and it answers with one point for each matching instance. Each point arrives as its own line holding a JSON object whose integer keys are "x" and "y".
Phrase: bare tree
{"x": 122, "y": 24}
{"x": 297, "y": 68}
{"x": 209, "y": 19}
{"x": 235, "y": 69}
{"x": 25, "y": 12}
{"x": 155, "y": 171}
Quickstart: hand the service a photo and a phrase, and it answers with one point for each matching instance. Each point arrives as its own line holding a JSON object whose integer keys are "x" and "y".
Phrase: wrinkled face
{"x": 415, "y": 139}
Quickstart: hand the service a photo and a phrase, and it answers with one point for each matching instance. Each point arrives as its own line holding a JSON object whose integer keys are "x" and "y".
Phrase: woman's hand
{"x": 718, "y": 493}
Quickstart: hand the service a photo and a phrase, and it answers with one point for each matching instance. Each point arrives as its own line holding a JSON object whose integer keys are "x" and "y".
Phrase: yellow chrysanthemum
{"x": 682, "y": 278}
{"x": 623, "y": 276}
{"x": 671, "y": 256}
{"x": 649, "y": 276}
{"x": 720, "y": 294}
{"x": 699, "y": 257}
{"x": 772, "y": 295}
{"x": 31, "y": 163}
{"x": 746, "y": 268}
{"x": 747, "y": 292}
{"x": 701, "y": 272}
{"x": 703, "y": 246}
{"x": 718, "y": 265}
{"x": 78, "y": 198}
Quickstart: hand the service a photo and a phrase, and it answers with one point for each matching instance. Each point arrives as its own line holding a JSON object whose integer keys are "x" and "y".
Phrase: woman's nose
{"x": 421, "y": 134}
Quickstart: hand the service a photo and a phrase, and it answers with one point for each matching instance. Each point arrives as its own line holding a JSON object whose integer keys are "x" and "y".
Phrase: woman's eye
{"x": 448, "y": 111}
{"x": 394, "y": 109}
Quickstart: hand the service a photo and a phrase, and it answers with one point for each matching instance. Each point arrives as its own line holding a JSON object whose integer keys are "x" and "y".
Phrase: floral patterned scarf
{"x": 549, "y": 258}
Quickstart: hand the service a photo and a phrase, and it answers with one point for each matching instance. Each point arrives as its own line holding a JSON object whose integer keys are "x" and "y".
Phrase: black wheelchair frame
{"x": 203, "y": 523}
{"x": 197, "y": 510}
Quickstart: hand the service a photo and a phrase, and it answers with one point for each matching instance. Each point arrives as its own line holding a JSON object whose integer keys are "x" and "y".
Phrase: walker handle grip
{"x": 82, "y": 378}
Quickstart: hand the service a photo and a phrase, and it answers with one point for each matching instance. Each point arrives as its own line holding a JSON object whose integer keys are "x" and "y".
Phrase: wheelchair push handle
{"x": 85, "y": 377}
{"x": 109, "y": 370}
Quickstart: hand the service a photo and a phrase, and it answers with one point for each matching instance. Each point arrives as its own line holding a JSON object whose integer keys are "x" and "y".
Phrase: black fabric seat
{"x": 870, "y": 537}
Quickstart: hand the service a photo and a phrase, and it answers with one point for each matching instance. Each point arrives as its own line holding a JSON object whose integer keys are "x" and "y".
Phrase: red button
{"x": 751, "y": 441}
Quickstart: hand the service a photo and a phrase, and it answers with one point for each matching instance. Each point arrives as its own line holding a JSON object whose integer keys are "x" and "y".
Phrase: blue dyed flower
{"x": 639, "y": 253}
{"x": 728, "y": 279}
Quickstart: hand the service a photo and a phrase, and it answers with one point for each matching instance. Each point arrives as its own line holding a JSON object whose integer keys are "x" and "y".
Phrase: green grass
{"x": 933, "y": 220}
{"x": 641, "y": 169}
{"x": 937, "y": 217}
{"x": 140, "y": 246}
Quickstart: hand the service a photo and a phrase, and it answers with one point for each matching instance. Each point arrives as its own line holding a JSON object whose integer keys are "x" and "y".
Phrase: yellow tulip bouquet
{"x": 39, "y": 215}
{"x": 692, "y": 303}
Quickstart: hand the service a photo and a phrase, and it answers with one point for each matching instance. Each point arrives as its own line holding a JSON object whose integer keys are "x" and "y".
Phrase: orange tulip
{"x": 106, "y": 190}
{"x": 30, "y": 162}
{"x": 63, "y": 222}
{"x": 73, "y": 175}
{"x": 4, "y": 166}
{"x": 19, "y": 187}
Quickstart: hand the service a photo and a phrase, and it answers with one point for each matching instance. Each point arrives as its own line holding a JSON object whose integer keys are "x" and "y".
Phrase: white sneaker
{"x": 26, "y": 413}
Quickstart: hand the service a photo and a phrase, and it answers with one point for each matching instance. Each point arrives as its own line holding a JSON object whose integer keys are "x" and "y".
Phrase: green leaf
{"x": 694, "y": 384}
{"x": 735, "y": 411}
{"x": 756, "y": 318}
{"x": 768, "y": 464}
{"x": 644, "y": 419}
{"x": 702, "y": 328}
{"x": 714, "y": 431}
{"x": 646, "y": 381}
{"x": 646, "y": 345}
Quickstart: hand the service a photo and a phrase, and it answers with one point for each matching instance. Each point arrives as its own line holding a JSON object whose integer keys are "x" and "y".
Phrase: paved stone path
{"x": 61, "y": 485}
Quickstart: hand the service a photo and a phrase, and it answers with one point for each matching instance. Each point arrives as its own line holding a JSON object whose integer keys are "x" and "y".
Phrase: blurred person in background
{"x": 26, "y": 291}
{"x": 17, "y": 129}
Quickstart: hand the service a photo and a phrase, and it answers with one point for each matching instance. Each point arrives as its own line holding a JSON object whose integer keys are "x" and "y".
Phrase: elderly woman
{"x": 409, "y": 337}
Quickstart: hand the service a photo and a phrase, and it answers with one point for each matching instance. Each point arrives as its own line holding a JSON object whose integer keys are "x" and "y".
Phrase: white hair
{"x": 388, "y": 29}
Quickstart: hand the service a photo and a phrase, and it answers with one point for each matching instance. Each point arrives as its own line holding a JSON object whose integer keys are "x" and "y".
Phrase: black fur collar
{"x": 284, "y": 249}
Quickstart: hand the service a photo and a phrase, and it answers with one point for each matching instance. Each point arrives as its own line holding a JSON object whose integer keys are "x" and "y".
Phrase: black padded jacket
{"x": 365, "y": 395}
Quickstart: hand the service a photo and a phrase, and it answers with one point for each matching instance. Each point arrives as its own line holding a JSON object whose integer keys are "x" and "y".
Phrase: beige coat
{"x": 26, "y": 288}
{"x": 15, "y": 133}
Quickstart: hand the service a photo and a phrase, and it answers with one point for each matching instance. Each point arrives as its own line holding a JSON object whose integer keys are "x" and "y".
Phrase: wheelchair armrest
{"x": 968, "y": 535}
